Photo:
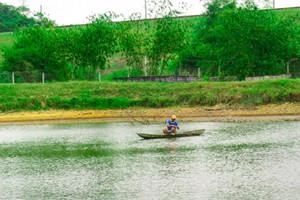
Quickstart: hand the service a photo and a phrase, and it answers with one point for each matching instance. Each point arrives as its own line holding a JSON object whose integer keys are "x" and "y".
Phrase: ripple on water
{"x": 109, "y": 161}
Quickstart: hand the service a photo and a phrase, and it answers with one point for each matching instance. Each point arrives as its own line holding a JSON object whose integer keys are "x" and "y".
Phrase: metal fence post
{"x": 13, "y": 78}
{"x": 145, "y": 65}
{"x": 99, "y": 76}
{"x": 199, "y": 73}
{"x": 43, "y": 77}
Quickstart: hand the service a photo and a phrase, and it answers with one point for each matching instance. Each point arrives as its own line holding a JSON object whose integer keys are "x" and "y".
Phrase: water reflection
{"x": 109, "y": 161}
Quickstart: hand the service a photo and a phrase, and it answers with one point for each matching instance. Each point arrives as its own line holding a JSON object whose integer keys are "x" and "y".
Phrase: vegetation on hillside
{"x": 111, "y": 95}
{"x": 244, "y": 41}
{"x": 228, "y": 40}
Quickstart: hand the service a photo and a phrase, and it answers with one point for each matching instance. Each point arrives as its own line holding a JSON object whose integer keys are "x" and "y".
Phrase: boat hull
{"x": 161, "y": 135}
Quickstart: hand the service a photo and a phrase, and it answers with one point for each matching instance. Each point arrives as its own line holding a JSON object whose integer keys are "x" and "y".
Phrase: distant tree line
{"x": 12, "y": 17}
{"x": 228, "y": 40}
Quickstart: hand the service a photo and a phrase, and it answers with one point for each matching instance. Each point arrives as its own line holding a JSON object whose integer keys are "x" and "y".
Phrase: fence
{"x": 169, "y": 79}
{"x": 41, "y": 77}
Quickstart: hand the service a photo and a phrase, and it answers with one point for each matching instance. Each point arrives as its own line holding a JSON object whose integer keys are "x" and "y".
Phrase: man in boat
{"x": 172, "y": 125}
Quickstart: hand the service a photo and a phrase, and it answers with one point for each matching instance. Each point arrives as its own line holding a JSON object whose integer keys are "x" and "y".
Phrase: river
{"x": 109, "y": 161}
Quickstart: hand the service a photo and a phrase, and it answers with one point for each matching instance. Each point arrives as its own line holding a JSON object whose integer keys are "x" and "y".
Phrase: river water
{"x": 109, "y": 161}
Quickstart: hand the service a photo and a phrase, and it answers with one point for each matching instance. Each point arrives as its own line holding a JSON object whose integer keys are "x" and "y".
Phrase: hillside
{"x": 6, "y": 39}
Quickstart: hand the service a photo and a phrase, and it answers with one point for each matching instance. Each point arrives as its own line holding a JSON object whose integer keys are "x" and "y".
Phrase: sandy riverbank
{"x": 271, "y": 112}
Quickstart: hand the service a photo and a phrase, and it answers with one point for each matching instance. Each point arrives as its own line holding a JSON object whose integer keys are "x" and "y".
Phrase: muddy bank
{"x": 271, "y": 112}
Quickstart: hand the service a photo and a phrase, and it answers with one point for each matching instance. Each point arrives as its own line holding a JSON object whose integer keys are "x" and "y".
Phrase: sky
{"x": 67, "y": 12}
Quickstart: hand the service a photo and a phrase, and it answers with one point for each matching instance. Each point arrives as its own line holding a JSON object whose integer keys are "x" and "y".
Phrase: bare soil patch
{"x": 270, "y": 112}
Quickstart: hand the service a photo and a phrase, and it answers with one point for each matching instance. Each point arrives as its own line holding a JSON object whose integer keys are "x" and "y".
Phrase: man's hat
{"x": 173, "y": 116}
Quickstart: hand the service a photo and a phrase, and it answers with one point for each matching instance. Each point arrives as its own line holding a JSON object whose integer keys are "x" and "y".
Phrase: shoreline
{"x": 218, "y": 113}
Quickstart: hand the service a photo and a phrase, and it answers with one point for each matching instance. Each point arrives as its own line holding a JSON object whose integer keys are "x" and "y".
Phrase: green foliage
{"x": 69, "y": 52}
{"x": 133, "y": 41}
{"x": 158, "y": 41}
{"x": 168, "y": 39}
{"x": 5, "y": 42}
{"x": 42, "y": 20}
{"x": 115, "y": 74}
{"x": 14, "y": 17}
{"x": 245, "y": 41}
{"x": 228, "y": 40}
{"x": 97, "y": 42}
{"x": 123, "y": 73}
{"x": 37, "y": 48}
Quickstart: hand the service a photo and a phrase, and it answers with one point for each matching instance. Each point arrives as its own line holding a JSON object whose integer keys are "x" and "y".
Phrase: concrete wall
{"x": 223, "y": 78}
{"x": 169, "y": 79}
{"x": 296, "y": 75}
{"x": 254, "y": 78}
{"x": 172, "y": 79}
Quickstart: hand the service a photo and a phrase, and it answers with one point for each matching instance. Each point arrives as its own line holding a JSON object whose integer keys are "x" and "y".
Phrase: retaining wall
{"x": 254, "y": 78}
{"x": 169, "y": 79}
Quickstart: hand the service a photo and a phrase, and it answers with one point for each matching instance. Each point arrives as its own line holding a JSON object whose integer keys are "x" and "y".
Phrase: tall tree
{"x": 134, "y": 40}
{"x": 168, "y": 35}
{"x": 168, "y": 40}
{"x": 98, "y": 41}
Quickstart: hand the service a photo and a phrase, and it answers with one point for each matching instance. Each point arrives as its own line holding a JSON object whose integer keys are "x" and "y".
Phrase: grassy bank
{"x": 116, "y": 95}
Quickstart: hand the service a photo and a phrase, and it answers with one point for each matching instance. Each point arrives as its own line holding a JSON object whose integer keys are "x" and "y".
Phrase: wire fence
{"x": 42, "y": 77}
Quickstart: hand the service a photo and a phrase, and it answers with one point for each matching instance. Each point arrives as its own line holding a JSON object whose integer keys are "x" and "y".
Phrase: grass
{"x": 290, "y": 12}
{"x": 119, "y": 95}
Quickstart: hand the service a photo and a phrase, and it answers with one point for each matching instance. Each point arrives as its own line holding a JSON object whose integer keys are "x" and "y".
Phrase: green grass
{"x": 290, "y": 12}
{"x": 119, "y": 95}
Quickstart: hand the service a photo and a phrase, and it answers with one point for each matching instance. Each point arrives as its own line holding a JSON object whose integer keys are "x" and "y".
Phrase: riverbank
{"x": 82, "y": 95}
{"x": 220, "y": 113}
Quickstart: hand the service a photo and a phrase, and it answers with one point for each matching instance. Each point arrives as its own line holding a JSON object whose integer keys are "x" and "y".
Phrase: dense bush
{"x": 244, "y": 41}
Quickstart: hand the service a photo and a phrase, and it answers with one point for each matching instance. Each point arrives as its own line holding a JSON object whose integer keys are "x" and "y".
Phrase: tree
{"x": 13, "y": 17}
{"x": 244, "y": 41}
{"x": 133, "y": 40}
{"x": 69, "y": 52}
{"x": 167, "y": 36}
{"x": 36, "y": 48}
{"x": 98, "y": 41}
{"x": 168, "y": 40}
{"x": 42, "y": 20}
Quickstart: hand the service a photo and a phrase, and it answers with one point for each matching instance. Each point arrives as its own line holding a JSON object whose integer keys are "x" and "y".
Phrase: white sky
{"x": 66, "y": 12}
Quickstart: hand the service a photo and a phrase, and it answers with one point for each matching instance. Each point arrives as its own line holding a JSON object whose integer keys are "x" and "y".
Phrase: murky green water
{"x": 109, "y": 161}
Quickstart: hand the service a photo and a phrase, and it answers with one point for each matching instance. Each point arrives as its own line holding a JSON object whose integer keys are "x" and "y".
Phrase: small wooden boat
{"x": 161, "y": 135}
